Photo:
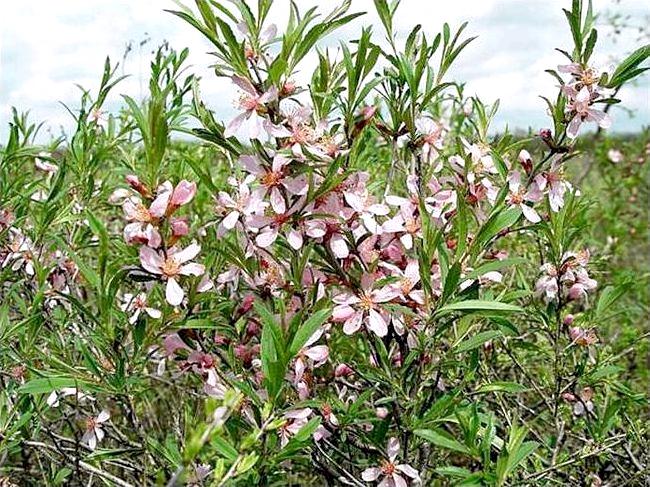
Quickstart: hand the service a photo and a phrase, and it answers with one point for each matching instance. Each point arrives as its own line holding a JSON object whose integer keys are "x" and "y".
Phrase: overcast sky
{"x": 47, "y": 47}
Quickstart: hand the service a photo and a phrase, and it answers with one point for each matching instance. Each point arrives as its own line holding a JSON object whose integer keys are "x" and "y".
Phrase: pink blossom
{"x": 247, "y": 203}
{"x": 431, "y": 133}
{"x": 294, "y": 421}
{"x": 615, "y": 155}
{"x": 553, "y": 181}
{"x": 55, "y": 396}
{"x": 309, "y": 355}
{"x": 275, "y": 178}
{"x": 582, "y": 337}
{"x": 364, "y": 204}
{"x": 252, "y": 105}
{"x": 392, "y": 473}
{"x": 547, "y": 284}
{"x": 407, "y": 281}
{"x": 170, "y": 265}
{"x": 43, "y": 163}
{"x": 20, "y": 253}
{"x": 518, "y": 197}
{"x": 405, "y": 224}
{"x": 580, "y": 105}
{"x": 355, "y": 310}
{"x": 94, "y": 431}
{"x": 581, "y": 285}
{"x": 135, "y": 304}
{"x": 343, "y": 370}
{"x": 270, "y": 227}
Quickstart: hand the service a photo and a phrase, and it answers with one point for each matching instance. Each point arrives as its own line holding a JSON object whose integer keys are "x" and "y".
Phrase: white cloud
{"x": 46, "y": 47}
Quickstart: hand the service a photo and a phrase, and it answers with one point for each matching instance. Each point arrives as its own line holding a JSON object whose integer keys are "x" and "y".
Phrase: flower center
{"x": 248, "y": 103}
{"x": 142, "y": 214}
{"x": 387, "y": 468}
{"x": 91, "y": 424}
{"x": 366, "y": 303}
{"x": 170, "y": 267}
{"x": 588, "y": 77}
{"x": 517, "y": 198}
{"x": 406, "y": 285}
{"x": 411, "y": 225}
{"x": 271, "y": 178}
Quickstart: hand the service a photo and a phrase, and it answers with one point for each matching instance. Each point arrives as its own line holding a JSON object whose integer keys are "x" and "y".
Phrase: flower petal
{"x": 173, "y": 292}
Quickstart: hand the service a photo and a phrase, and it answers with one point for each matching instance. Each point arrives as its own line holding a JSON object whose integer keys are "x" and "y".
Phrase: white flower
{"x": 94, "y": 432}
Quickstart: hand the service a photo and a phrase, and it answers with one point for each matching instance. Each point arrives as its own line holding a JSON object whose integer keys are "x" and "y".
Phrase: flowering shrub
{"x": 351, "y": 282}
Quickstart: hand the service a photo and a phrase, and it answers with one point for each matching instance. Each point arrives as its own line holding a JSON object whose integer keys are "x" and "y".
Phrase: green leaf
{"x": 451, "y": 471}
{"x": 48, "y": 384}
{"x": 495, "y": 265}
{"x": 495, "y": 224}
{"x": 272, "y": 350}
{"x": 502, "y": 387}
{"x": 478, "y": 305}
{"x": 442, "y": 440}
{"x": 451, "y": 281}
{"x": 477, "y": 340}
{"x": 307, "y": 329}
{"x": 225, "y": 448}
{"x": 629, "y": 66}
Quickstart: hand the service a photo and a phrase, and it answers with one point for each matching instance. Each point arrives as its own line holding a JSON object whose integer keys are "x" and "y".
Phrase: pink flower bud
{"x": 368, "y": 112}
{"x": 381, "y": 413}
{"x": 567, "y": 396}
{"x": 526, "y": 161}
{"x": 183, "y": 193}
{"x": 253, "y": 329}
{"x": 180, "y": 227}
{"x": 568, "y": 320}
{"x": 133, "y": 181}
{"x": 288, "y": 88}
{"x": 545, "y": 134}
{"x": 343, "y": 370}
{"x": 247, "y": 304}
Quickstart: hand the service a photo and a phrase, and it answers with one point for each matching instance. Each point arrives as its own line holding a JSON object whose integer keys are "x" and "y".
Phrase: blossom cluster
{"x": 154, "y": 226}
{"x": 569, "y": 280}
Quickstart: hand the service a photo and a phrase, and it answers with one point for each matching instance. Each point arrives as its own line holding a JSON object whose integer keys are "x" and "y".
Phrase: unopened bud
{"x": 343, "y": 370}
{"x": 133, "y": 181}
{"x": 381, "y": 413}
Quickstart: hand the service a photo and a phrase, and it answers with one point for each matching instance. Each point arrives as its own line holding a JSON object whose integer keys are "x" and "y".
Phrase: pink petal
{"x": 294, "y": 238}
{"x": 371, "y": 474}
{"x": 150, "y": 260}
{"x": 377, "y": 324}
{"x": 339, "y": 247}
{"x": 392, "y": 448}
{"x": 192, "y": 269}
{"x": 234, "y": 125}
{"x": 266, "y": 238}
{"x": 342, "y": 313}
{"x": 408, "y": 471}
{"x": 230, "y": 220}
{"x": 173, "y": 292}
{"x": 319, "y": 353}
{"x": 183, "y": 193}
{"x": 188, "y": 253}
{"x": 277, "y": 201}
{"x": 399, "y": 481}
{"x": 244, "y": 85}
{"x": 530, "y": 214}
{"x": 353, "y": 323}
